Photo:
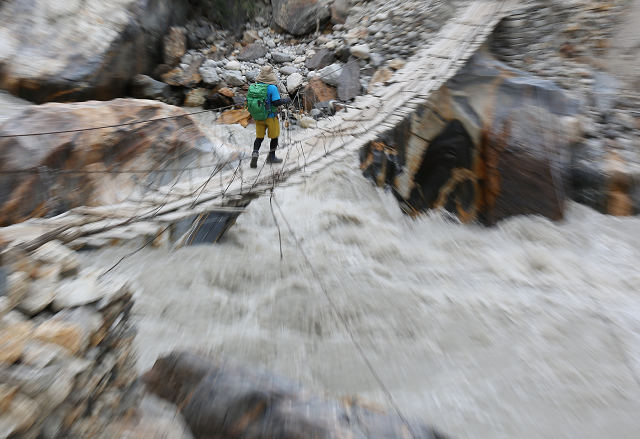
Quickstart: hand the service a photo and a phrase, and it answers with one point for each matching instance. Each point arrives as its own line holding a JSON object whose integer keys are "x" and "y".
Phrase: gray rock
{"x": 320, "y": 60}
{"x": 5, "y": 306}
{"x": 343, "y": 53}
{"x": 19, "y": 414}
{"x": 349, "y": 82}
{"x": 195, "y": 97}
{"x": 288, "y": 70}
{"x": 233, "y": 65}
{"x": 217, "y": 398}
{"x": 376, "y": 60}
{"x": 294, "y": 82}
{"x": 252, "y": 75}
{"x": 186, "y": 74}
{"x": 175, "y": 45}
{"x": 40, "y": 296}
{"x": 375, "y": 28}
{"x": 331, "y": 74}
{"x": 361, "y": 51}
{"x": 250, "y": 36}
{"x": 77, "y": 292}
{"x": 252, "y": 52}
{"x": 340, "y": 11}
{"x": 54, "y": 252}
{"x": 145, "y": 87}
{"x": 41, "y": 355}
{"x": 17, "y": 286}
{"x": 307, "y": 122}
{"x": 233, "y": 78}
{"x": 209, "y": 73}
{"x": 299, "y": 17}
{"x": 281, "y": 57}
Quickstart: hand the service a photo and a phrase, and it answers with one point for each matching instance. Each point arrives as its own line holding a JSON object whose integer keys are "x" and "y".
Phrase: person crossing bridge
{"x": 262, "y": 100}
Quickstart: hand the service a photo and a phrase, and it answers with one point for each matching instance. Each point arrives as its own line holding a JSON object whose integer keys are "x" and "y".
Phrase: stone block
{"x": 68, "y": 335}
{"x": 13, "y": 339}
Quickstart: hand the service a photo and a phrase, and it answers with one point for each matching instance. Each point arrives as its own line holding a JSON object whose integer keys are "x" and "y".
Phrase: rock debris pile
{"x": 67, "y": 367}
{"x": 360, "y": 47}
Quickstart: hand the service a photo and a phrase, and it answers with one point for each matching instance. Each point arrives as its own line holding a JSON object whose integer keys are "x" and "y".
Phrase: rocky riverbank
{"x": 361, "y": 46}
{"x": 67, "y": 365}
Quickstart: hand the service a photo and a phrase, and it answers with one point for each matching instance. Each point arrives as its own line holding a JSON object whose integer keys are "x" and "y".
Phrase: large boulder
{"x": 49, "y": 174}
{"x": 145, "y": 87}
{"x": 299, "y": 17}
{"x": 219, "y": 399}
{"x": 78, "y": 50}
{"x": 187, "y": 74}
{"x": 340, "y": 11}
{"x": 349, "y": 83}
{"x": 317, "y": 92}
{"x": 252, "y": 52}
{"x": 321, "y": 59}
{"x": 175, "y": 45}
{"x": 491, "y": 143}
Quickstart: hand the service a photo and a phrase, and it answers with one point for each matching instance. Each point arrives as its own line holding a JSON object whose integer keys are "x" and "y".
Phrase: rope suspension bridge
{"x": 230, "y": 185}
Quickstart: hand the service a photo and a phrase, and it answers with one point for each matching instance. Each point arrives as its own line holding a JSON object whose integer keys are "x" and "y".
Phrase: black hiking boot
{"x": 254, "y": 159}
{"x": 272, "y": 159}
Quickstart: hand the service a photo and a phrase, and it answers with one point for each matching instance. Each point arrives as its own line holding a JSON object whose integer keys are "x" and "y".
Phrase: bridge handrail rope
{"x": 328, "y": 132}
{"x": 278, "y": 175}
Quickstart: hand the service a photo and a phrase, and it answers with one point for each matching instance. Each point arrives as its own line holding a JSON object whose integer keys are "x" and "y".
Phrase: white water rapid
{"x": 527, "y": 330}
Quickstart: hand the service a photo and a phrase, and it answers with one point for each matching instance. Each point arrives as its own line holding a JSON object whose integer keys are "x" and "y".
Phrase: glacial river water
{"x": 527, "y": 330}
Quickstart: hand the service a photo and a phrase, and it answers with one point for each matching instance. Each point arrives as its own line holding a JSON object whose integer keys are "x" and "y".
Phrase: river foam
{"x": 529, "y": 329}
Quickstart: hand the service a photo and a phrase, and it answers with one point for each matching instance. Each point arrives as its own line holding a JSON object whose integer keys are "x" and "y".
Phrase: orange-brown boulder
{"x": 317, "y": 91}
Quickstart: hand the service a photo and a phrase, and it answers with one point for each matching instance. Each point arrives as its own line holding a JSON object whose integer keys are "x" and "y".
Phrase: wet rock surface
{"x": 221, "y": 399}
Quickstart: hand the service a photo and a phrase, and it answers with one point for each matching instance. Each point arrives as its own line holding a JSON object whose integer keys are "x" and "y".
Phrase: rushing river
{"x": 527, "y": 330}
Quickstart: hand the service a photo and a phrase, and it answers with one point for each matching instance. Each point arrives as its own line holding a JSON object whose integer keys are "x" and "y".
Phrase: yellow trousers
{"x": 272, "y": 125}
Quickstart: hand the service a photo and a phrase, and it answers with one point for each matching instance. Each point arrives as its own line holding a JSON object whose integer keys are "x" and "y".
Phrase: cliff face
{"x": 79, "y": 50}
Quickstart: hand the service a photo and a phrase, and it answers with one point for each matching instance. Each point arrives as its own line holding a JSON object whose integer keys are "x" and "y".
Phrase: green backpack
{"x": 257, "y": 101}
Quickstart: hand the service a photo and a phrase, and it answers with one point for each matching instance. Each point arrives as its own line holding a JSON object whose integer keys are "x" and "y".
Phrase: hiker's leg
{"x": 274, "y": 131}
{"x": 257, "y": 144}
{"x": 273, "y": 124}
{"x": 256, "y": 152}
{"x": 261, "y": 130}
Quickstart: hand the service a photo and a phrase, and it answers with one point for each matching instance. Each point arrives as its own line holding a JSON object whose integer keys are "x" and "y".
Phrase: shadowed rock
{"x": 219, "y": 399}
